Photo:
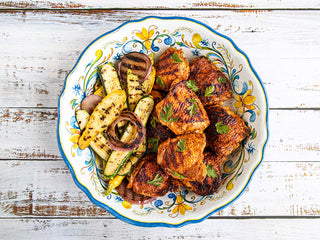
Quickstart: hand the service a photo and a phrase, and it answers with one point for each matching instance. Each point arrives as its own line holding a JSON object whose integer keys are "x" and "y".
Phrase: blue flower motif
{"x": 204, "y": 42}
{"x": 118, "y": 198}
{"x": 251, "y": 148}
{"x": 195, "y": 52}
{"x": 158, "y": 203}
{"x": 77, "y": 89}
{"x": 117, "y": 57}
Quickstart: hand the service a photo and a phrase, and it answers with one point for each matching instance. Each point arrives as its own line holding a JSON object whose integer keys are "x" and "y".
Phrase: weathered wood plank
{"x": 45, "y": 188}
{"x": 39, "y": 48}
{"x": 262, "y": 229}
{"x": 164, "y": 4}
{"x": 31, "y": 134}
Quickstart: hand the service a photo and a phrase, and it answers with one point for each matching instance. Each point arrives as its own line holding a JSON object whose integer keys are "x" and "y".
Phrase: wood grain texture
{"x": 39, "y": 48}
{"x": 163, "y": 4}
{"x": 31, "y": 134}
{"x": 258, "y": 229}
{"x": 47, "y": 190}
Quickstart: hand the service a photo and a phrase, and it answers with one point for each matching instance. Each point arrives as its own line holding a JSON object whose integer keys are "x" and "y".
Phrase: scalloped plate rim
{"x": 160, "y": 224}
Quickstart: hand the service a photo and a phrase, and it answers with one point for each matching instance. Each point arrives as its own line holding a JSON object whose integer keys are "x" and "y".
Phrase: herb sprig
{"x": 176, "y": 58}
{"x": 178, "y": 175}
{"x": 160, "y": 82}
{"x": 156, "y": 181}
{"x": 193, "y": 107}
{"x": 222, "y": 80}
{"x": 166, "y": 114}
{"x": 211, "y": 172}
{"x": 154, "y": 121}
{"x": 209, "y": 91}
{"x": 153, "y": 144}
{"x": 221, "y": 129}
{"x": 191, "y": 84}
{"x": 181, "y": 145}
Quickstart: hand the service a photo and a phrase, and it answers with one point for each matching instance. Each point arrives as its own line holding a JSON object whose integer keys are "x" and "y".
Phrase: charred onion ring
{"x": 113, "y": 139}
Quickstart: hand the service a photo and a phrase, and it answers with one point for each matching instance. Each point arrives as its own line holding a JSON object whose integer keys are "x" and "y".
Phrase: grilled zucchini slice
{"x": 117, "y": 159}
{"x": 134, "y": 89}
{"x": 102, "y": 116}
{"x": 109, "y": 78}
{"x": 99, "y": 144}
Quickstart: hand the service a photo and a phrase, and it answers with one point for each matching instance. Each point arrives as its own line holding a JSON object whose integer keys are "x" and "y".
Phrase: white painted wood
{"x": 45, "y": 188}
{"x": 164, "y": 4}
{"x": 38, "y": 49}
{"x": 258, "y": 229}
{"x": 31, "y": 134}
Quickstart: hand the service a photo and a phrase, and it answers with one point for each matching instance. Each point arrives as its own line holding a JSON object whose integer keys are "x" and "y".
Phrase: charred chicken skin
{"x": 171, "y": 66}
{"x": 150, "y": 180}
{"x": 213, "y": 178}
{"x": 182, "y": 111}
{"x": 207, "y": 76}
{"x": 182, "y": 157}
{"x": 226, "y": 131}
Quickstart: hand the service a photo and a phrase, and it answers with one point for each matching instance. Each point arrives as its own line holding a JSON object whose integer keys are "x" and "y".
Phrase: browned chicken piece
{"x": 182, "y": 157}
{"x": 226, "y": 130}
{"x": 182, "y": 111}
{"x": 206, "y": 75}
{"x": 171, "y": 66}
{"x": 157, "y": 96}
{"x": 213, "y": 178}
{"x": 156, "y": 132}
{"x": 149, "y": 179}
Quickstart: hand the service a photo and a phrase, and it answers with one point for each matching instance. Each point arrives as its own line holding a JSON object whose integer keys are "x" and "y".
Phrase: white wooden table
{"x": 40, "y": 42}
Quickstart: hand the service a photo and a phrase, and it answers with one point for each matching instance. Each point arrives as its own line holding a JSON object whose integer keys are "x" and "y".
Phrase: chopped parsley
{"x": 176, "y": 58}
{"x": 181, "y": 145}
{"x": 193, "y": 107}
{"x": 160, "y": 82}
{"x": 153, "y": 144}
{"x": 178, "y": 175}
{"x": 192, "y": 85}
{"x": 208, "y": 92}
{"x": 221, "y": 129}
{"x": 211, "y": 172}
{"x": 222, "y": 80}
{"x": 156, "y": 181}
{"x": 166, "y": 114}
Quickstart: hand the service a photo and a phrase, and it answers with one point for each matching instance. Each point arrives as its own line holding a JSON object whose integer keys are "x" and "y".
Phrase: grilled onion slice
{"x": 115, "y": 143}
{"x": 139, "y": 63}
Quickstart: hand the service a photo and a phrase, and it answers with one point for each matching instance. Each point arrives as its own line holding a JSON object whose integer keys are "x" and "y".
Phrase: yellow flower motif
{"x": 74, "y": 139}
{"x": 146, "y": 35}
{"x": 126, "y": 204}
{"x": 181, "y": 207}
{"x": 245, "y": 101}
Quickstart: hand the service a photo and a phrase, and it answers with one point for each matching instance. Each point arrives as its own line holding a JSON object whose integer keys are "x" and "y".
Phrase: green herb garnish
{"x": 178, "y": 175}
{"x": 192, "y": 85}
{"x": 153, "y": 144}
{"x": 154, "y": 121}
{"x": 157, "y": 179}
{"x": 166, "y": 114}
{"x": 176, "y": 58}
{"x": 221, "y": 129}
{"x": 208, "y": 92}
{"x": 160, "y": 82}
{"x": 222, "y": 80}
{"x": 181, "y": 145}
{"x": 211, "y": 172}
{"x": 192, "y": 108}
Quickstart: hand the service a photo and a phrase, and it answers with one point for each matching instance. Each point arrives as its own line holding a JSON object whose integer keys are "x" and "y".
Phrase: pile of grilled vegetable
{"x": 113, "y": 119}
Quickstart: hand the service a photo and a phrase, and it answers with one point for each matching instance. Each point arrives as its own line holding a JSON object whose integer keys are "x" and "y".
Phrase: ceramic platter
{"x": 155, "y": 35}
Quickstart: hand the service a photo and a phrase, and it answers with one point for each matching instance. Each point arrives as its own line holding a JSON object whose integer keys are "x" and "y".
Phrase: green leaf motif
{"x": 221, "y": 129}
{"x": 160, "y": 82}
{"x": 153, "y": 144}
{"x": 154, "y": 121}
{"x": 211, "y": 172}
{"x": 166, "y": 114}
{"x": 176, "y": 58}
{"x": 209, "y": 91}
{"x": 181, "y": 145}
{"x": 222, "y": 80}
{"x": 156, "y": 181}
{"x": 192, "y": 108}
{"x": 192, "y": 85}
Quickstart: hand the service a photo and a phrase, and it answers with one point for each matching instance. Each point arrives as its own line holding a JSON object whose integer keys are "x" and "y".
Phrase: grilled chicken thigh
{"x": 213, "y": 178}
{"x": 149, "y": 179}
{"x": 182, "y": 157}
{"x": 226, "y": 130}
{"x": 171, "y": 66}
{"x": 181, "y": 110}
{"x": 206, "y": 75}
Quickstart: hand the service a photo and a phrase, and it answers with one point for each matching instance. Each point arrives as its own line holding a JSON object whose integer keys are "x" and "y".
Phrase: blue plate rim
{"x": 161, "y": 224}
